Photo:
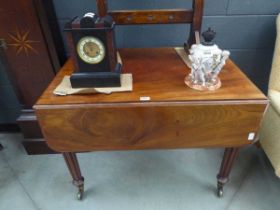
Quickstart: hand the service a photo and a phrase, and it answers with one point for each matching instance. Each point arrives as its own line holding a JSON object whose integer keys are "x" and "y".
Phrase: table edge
{"x": 155, "y": 104}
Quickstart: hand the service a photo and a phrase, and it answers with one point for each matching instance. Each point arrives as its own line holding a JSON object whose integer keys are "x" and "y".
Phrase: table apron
{"x": 160, "y": 127}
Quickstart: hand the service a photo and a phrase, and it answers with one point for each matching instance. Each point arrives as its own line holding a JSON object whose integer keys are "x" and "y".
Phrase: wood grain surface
{"x": 83, "y": 129}
{"x": 158, "y": 73}
{"x": 126, "y": 17}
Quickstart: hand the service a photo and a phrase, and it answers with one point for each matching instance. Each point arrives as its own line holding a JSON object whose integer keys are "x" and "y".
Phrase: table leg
{"x": 74, "y": 169}
{"x": 227, "y": 163}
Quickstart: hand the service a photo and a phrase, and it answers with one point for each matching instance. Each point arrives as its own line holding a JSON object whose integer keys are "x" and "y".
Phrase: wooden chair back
{"x": 166, "y": 16}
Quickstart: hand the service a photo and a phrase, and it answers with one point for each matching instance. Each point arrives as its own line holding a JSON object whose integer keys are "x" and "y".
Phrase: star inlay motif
{"x": 22, "y": 43}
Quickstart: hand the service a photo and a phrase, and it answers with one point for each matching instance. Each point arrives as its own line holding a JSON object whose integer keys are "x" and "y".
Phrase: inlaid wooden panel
{"x": 26, "y": 54}
{"x": 151, "y": 126}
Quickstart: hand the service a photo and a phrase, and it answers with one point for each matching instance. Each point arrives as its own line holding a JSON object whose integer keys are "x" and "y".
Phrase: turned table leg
{"x": 74, "y": 168}
{"x": 227, "y": 163}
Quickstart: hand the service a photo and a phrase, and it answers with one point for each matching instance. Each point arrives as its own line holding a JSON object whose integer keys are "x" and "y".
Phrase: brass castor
{"x": 220, "y": 190}
{"x": 80, "y": 193}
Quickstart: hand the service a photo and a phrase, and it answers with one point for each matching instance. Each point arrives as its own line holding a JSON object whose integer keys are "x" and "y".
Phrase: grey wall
{"x": 245, "y": 27}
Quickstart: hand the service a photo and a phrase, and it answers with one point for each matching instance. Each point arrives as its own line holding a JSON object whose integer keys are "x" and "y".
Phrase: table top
{"x": 158, "y": 73}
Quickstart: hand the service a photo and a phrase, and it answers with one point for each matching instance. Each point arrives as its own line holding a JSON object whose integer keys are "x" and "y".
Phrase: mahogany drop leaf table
{"x": 174, "y": 117}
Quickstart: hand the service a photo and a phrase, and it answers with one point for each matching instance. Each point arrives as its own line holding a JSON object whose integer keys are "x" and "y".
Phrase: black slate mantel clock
{"x": 92, "y": 44}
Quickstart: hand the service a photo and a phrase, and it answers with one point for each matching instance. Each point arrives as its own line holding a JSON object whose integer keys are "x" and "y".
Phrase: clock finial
{"x": 88, "y": 20}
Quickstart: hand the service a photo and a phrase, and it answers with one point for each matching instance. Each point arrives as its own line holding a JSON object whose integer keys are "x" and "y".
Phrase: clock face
{"x": 91, "y": 50}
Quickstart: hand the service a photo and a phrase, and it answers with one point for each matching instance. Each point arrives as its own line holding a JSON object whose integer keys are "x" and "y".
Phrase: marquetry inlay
{"x": 22, "y": 43}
